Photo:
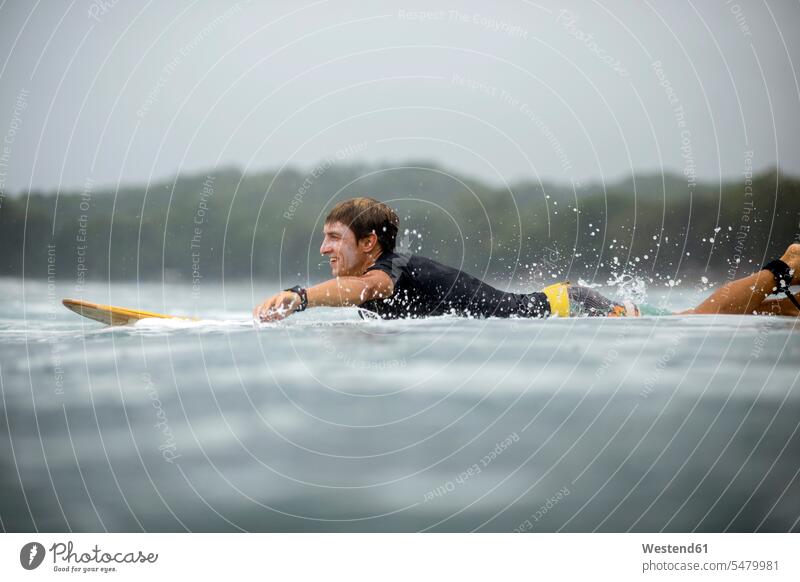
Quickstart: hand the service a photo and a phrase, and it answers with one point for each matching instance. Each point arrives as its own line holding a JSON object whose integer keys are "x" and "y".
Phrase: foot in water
{"x": 792, "y": 258}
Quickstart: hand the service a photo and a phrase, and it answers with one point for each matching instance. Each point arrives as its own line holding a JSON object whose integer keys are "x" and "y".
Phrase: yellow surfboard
{"x": 111, "y": 314}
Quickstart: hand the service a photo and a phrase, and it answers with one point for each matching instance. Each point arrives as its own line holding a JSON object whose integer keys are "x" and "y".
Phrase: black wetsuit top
{"x": 424, "y": 287}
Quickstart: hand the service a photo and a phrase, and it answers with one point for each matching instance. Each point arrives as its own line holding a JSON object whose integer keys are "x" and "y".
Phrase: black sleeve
{"x": 390, "y": 263}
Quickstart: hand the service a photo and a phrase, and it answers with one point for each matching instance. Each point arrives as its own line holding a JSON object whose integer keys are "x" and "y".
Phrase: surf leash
{"x": 783, "y": 278}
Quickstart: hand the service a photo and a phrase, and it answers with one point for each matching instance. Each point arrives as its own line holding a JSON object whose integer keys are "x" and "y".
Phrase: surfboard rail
{"x": 112, "y": 314}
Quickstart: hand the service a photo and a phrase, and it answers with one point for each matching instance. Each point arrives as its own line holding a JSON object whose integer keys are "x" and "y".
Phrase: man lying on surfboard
{"x": 359, "y": 240}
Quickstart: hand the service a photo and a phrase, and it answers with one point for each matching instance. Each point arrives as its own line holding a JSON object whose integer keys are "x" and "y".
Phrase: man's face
{"x": 345, "y": 255}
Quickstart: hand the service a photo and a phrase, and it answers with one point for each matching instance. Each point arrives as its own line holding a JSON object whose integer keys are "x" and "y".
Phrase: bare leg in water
{"x": 749, "y": 295}
{"x": 779, "y": 307}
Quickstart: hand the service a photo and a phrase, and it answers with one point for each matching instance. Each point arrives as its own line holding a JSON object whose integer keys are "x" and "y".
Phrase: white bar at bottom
{"x": 406, "y": 557}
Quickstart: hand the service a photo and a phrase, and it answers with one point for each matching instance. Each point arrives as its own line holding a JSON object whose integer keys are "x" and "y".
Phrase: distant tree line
{"x": 268, "y": 225}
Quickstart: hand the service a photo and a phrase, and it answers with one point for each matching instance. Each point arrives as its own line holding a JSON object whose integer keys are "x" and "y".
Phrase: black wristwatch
{"x": 303, "y": 296}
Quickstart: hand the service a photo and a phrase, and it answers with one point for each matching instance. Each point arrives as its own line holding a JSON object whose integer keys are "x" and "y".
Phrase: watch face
{"x": 301, "y": 292}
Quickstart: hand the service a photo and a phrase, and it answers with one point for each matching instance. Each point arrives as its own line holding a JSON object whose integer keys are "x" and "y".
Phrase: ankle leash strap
{"x": 783, "y": 279}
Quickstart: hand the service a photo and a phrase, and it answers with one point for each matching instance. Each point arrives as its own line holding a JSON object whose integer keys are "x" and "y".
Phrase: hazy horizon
{"x": 608, "y": 181}
{"x": 122, "y": 93}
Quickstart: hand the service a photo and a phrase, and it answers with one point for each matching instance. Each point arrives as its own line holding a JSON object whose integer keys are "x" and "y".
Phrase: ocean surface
{"x": 327, "y": 422}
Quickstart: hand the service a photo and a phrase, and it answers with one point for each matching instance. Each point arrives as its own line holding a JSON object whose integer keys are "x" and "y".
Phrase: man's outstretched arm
{"x": 338, "y": 292}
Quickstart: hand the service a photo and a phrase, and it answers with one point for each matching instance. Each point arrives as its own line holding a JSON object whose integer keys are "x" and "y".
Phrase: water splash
{"x": 628, "y": 287}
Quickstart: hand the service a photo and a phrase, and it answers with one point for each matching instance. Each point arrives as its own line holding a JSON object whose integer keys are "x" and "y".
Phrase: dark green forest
{"x": 266, "y": 225}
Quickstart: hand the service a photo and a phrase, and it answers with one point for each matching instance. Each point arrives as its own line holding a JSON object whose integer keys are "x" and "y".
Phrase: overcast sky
{"x": 133, "y": 91}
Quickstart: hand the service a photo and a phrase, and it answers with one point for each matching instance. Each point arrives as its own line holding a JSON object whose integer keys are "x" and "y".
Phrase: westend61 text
{"x": 670, "y": 549}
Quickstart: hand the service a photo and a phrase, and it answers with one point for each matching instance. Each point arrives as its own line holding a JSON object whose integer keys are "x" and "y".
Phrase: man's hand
{"x": 338, "y": 292}
{"x": 277, "y": 307}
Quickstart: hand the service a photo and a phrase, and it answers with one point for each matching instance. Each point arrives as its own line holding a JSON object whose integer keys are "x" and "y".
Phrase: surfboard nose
{"x": 111, "y": 314}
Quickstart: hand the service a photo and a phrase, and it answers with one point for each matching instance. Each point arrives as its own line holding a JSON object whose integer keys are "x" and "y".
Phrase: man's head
{"x": 356, "y": 232}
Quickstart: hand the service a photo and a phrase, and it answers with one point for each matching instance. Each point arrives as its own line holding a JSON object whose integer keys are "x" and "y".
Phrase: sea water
{"x": 330, "y": 422}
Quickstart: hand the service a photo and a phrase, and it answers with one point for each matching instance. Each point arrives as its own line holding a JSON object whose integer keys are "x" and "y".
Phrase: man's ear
{"x": 369, "y": 242}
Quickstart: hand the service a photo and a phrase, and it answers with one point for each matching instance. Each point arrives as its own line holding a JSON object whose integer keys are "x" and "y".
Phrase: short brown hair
{"x": 366, "y": 215}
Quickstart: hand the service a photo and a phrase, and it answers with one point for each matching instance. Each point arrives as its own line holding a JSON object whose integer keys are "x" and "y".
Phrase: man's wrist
{"x": 303, "y": 294}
